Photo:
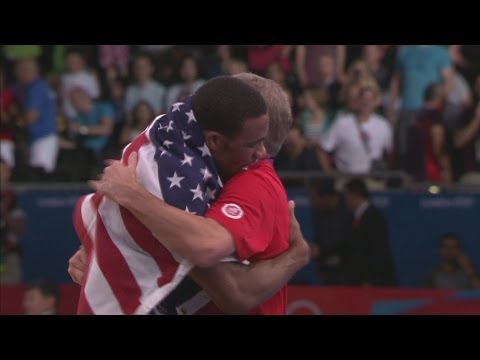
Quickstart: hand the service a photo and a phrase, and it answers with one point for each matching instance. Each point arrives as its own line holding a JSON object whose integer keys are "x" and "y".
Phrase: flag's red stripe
{"x": 142, "y": 236}
{"x": 116, "y": 270}
{"x": 144, "y": 239}
{"x": 83, "y": 308}
{"x": 111, "y": 262}
{"x": 79, "y": 225}
{"x": 135, "y": 145}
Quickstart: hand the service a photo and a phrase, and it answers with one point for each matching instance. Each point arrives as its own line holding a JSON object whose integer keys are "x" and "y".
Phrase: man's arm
{"x": 466, "y": 134}
{"x": 202, "y": 241}
{"x": 104, "y": 128}
{"x": 447, "y": 77}
{"x": 236, "y": 288}
{"x": 300, "y": 55}
{"x": 393, "y": 96}
{"x": 341, "y": 57}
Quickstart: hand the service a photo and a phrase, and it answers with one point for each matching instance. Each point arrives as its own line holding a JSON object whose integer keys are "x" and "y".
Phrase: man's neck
{"x": 144, "y": 82}
{"x": 363, "y": 117}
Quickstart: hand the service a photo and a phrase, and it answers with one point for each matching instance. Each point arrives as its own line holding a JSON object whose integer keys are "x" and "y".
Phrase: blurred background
{"x": 402, "y": 121}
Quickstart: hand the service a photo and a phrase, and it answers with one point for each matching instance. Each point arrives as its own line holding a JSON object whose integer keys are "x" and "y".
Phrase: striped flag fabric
{"x": 128, "y": 270}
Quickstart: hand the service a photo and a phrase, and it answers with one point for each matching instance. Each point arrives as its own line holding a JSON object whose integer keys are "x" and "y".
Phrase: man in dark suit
{"x": 367, "y": 258}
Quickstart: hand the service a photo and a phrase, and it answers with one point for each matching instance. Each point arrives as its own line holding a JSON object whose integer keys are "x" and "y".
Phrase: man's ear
{"x": 213, "y": 139}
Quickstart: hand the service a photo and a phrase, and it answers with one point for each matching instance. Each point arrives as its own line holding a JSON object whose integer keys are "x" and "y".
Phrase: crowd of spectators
{"x": 358, "y": 108}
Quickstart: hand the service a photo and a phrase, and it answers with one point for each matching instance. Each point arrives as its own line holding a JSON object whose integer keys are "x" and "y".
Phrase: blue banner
{"x": 49, "y": 239}
{"x": 417, "y": 221}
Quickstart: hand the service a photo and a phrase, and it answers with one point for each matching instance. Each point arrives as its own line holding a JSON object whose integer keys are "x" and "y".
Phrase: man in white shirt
{"x": 359, "y": 139}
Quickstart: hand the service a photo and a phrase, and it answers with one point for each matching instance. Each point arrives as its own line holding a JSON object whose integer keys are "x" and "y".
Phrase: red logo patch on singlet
{"x": 233, "y": 211}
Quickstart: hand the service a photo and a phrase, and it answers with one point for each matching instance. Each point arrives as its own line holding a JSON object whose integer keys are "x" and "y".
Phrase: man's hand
{"x": 77, "y": 264}
{"x": 298, "y": 245}
{"x": 117, "y": 180}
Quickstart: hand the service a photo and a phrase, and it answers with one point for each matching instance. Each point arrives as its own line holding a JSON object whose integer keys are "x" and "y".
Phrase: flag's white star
{"x": 176, "y": 106}
{"x": 190, "y": 212}
{"x": 206, "y": 174}
{"x": 163, "y": 151}
{"x": 187, "y": 160}
{"x": 185, "y": 136}
{"x": 191, "y": 117}
{"x": 175, "y": 180}
{"x": 167, "y": 143}
{"x": 204, "y": 149}
{"x": 169, "y": 127}
{"x": 219, "y": 181}
{"x": 211, "y": 193}
{"x": 197, "y": 193}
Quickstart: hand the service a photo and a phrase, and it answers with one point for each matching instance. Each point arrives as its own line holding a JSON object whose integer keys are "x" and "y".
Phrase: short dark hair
{"x": 78, "y": 50}
{"x": 47, "y": 288}
{"x": 144, "y": 55}
{"x": 450, "y": 236}
{"x": 223, "y": 103}
{"x": 357, "y": 186}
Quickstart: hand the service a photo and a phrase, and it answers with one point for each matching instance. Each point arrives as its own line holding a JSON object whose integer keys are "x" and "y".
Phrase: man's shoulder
{"x": 343, "y": 121}
{"x": 261, "y": 168}
{"x": 260, "y": 174}
{"x": 380, "y": 120}
{"x": 263, "y": 171}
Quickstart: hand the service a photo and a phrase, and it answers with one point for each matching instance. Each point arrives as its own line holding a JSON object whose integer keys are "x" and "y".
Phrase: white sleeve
{"x": 388, "y": 137}
{"x": 93, "y": 86}
{"x": 329, "y": 140}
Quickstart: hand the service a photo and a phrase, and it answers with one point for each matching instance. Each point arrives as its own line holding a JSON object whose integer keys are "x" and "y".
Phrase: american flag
{"x": 129, "y": 271}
